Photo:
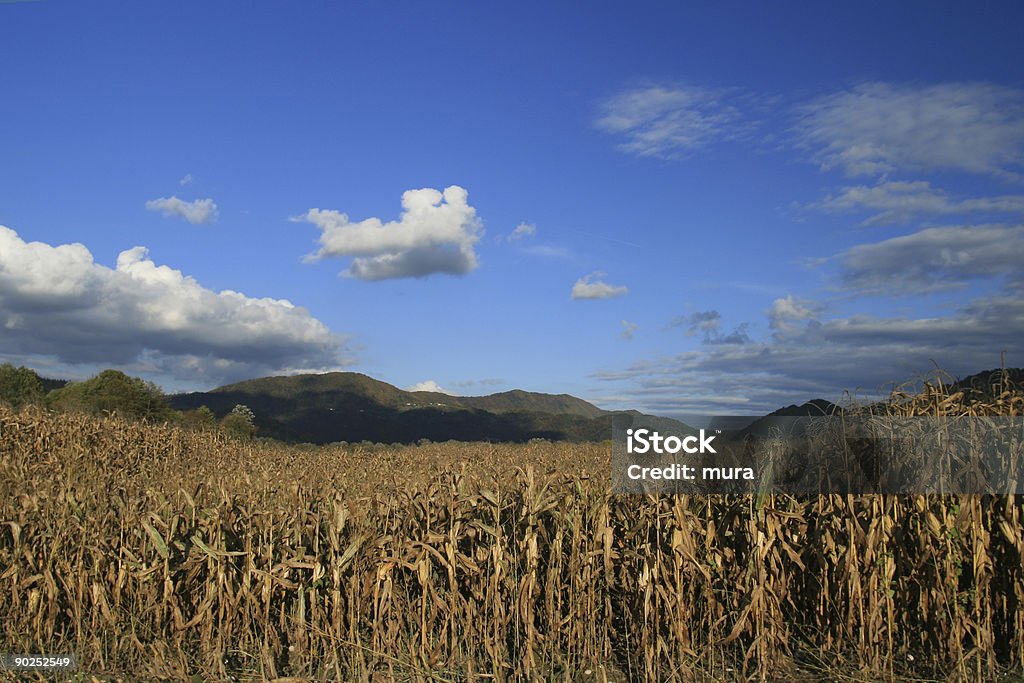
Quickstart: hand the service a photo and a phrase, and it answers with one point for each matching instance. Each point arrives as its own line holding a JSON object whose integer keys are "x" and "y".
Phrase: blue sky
{"x": 709, "y": 208}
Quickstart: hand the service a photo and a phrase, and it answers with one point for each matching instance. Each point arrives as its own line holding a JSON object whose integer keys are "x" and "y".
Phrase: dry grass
{"x": 155, "y": 553}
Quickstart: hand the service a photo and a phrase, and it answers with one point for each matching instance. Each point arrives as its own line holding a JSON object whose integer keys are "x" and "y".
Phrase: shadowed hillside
{"x": 348, "y": 406}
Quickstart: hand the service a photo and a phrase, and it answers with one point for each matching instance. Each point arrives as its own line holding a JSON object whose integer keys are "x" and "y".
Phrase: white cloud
{"x": 787, "y": 316}
{"x": 668, "y": 122}
{"x": 589, "y": 288}
{"x": 186, "y": 180}
{"x": 628, "y": 329}
{"x": 436, "y": 233}
{"x": 429, "y": 385}
{"x": 902, "y": 201}
{"x": 58, "y": 302}
{"x": 878, "y": 128}
{"x": 197, "y": 211}
{"x": 522, "y": 230}
{"x": 934, "y": 258}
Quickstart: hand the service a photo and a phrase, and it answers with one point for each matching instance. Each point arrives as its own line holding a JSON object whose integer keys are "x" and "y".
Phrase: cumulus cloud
{"x": 197, "y": 211}
{"x": 522, "y": 230}
{"x": 588, "y": 287}
{"x": 668, "y": 122}
{"x": 934, "y": 258}
{"x": 899, "y": 202}
{"x": 57, "y": 301}
{"x": 792, "y": 314}
{"x": 879, "y": 128}
{"x": 436, "y": 233}
{"x": 628, "y": 329}
{"x": 428, "y": 385}
{"x": 186, "y": 180}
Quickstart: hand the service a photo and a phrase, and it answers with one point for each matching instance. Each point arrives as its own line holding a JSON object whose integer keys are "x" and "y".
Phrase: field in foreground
{"x": 154, "y": 553}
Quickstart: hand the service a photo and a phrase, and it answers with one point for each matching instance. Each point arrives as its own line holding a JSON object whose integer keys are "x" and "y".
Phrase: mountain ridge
{"x": 350, "y": 406}
{"x": 514, "y": 400}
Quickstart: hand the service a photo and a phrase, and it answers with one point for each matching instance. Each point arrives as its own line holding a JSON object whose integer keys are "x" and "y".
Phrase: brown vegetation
{"x": 161, "y": 553}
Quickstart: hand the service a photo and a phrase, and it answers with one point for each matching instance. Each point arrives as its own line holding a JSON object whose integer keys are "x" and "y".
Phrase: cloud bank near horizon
{"x": 58, "y": 302}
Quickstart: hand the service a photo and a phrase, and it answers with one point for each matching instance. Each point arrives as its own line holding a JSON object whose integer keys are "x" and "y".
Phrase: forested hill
{"x": 348, "y": 406}
{"x": 305, "y": 387}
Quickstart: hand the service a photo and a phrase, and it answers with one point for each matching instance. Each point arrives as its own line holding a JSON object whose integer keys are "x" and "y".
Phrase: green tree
{"x": 112, "y": 391}
{"x": 19, "y": 386}
{"x": 200, "y": 418}
{"x": 245, "y": 412}
{"x": 240, "y": 422}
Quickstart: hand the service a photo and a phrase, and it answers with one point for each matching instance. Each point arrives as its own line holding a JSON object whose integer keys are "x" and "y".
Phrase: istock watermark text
{"x": 640, "y": 441}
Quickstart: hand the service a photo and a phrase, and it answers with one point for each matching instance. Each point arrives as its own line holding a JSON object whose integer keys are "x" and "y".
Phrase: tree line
{"x": 112, "y": 391}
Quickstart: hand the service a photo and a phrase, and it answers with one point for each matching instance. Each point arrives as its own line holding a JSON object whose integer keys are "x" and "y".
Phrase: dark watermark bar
{"x": 818, "y": 455}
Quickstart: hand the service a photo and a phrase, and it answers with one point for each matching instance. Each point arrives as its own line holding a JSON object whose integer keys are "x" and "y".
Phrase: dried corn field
{"x": 155, "y": 553}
